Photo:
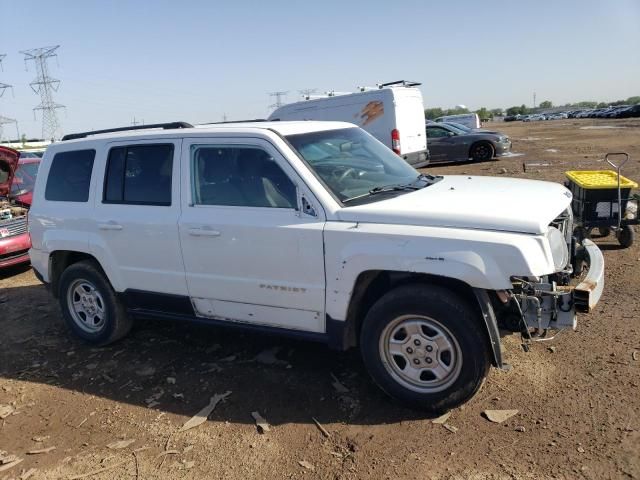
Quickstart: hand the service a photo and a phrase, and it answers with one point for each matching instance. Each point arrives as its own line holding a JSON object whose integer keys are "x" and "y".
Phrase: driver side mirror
{"x": 451, "y": 134}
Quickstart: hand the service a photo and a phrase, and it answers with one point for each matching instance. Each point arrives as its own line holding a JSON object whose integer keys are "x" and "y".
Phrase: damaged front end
{"x": 536, "y": 305}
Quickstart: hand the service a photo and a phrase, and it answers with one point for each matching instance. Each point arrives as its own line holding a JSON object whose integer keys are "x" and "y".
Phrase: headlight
{"x": 559, "y": 249}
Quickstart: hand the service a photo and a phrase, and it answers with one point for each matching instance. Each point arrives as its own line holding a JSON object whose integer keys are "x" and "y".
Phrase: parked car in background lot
{"x": 448, "y": 143}
{"x": 536, "y": 117}
{"x": 310, "y": 229}
{"x": 471, "y": 120}
{"x": 17, "y": 180}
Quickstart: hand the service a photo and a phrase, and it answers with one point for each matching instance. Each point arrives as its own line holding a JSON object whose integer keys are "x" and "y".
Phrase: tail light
{"x": 395, "y": 140}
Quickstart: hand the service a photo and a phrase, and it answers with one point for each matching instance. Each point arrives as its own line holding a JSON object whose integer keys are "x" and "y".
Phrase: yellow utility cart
{"x": 603, "y": 199}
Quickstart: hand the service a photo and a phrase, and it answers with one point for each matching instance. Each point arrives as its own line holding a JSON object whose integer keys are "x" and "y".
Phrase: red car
{"x": 17, "y": 178}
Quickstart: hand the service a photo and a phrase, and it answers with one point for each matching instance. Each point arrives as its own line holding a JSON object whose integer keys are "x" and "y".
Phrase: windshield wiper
{"x": 415, "y": 185}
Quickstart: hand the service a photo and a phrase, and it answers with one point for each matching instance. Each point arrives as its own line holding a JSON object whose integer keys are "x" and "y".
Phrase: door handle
{"x": 109, "y": 226}
{"x": 203, "y": 232}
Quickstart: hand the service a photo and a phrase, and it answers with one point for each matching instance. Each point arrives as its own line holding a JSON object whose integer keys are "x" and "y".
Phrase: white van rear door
{"x": 410, "y": 120}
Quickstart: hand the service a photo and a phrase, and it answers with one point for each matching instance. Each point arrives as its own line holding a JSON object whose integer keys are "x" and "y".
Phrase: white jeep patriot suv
{"x": 309, "y": 229}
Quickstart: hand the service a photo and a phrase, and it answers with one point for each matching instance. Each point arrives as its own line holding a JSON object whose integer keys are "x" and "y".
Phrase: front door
{"x": 250, "y": 255}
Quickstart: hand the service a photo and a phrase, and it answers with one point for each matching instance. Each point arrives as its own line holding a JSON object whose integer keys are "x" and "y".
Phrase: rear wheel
{"x": 423, "y": 345}
{"x": 482, "y": 151}
{"x": 625, "y": 236}
{"x": 89, "y": 305}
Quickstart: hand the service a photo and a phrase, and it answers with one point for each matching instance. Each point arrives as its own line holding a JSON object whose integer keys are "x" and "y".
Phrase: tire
{"x": 625, "y": 236}
{"x": 482, "y": 151}
{"x": 407, "y": 321}
{"x": 89, "y": 305}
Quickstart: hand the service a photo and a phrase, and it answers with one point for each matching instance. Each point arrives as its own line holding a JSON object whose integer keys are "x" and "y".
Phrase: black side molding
{"x": 157, "y": 302}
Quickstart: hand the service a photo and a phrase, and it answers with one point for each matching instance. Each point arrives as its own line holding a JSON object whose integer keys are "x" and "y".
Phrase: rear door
{"x": 250, "y": 254}
{"x": 410, "y": 120}
{"x": 136, "y": 215}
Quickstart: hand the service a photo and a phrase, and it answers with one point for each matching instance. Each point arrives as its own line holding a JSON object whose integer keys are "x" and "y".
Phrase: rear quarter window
{"x": 70, "y": 176}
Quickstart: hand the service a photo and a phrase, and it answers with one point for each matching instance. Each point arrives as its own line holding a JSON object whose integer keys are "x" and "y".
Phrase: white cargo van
{"x": 470, "y": 120}
{"x": 393, "y": 113}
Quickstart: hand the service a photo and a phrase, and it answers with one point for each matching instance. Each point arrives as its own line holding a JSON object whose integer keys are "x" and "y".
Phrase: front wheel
{"x": 424, "y": 346}
{"x": 482, "y": 151}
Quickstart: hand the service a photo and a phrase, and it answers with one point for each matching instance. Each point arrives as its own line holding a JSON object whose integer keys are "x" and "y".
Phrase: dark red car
{"x": 17, "y": 178}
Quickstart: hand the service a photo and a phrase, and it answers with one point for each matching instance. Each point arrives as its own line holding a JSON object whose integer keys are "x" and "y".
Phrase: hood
{"x": 482, "y": 130}
{"x": 8, "y": 164}
{"x": 486, "y": 203}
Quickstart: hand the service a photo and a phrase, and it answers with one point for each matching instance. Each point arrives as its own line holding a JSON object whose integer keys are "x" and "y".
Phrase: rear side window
{"x": 70, "y": 176}
{"x": 139, "y": 175}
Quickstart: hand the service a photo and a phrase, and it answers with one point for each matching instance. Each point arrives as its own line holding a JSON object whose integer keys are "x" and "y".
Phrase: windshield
{"x": 353, "y": 164}
{"x": 459, "y": 126}
{"x": 24, "y": 178}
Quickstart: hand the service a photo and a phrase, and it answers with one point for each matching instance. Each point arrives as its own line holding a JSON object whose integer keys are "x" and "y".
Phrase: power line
{"x": 278, "y": 96}
{"x": 44, "y": 85}
{"x": 306, "y": 92}
{"x": 3, "y": 88}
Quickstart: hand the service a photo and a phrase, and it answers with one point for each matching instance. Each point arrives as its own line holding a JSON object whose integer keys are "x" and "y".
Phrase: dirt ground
{"x": 578, "y": 403}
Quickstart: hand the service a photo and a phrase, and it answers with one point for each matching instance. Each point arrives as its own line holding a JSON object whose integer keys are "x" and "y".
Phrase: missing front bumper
{"x": 545, "y": 305}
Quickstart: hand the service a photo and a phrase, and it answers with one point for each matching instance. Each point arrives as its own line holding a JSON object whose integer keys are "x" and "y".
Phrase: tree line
{"x": 487, "y": 114}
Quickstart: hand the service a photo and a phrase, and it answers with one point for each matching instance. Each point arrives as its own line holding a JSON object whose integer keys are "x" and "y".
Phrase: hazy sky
{"x": 196, "y": 60}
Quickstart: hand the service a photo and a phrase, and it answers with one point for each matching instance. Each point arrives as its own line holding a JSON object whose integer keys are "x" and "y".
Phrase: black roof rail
{"x": 404, "y": 83}
{"x": 164, "y": 126}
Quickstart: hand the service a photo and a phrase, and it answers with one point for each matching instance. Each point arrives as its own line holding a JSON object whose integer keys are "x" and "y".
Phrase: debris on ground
{"x": 40, "y": 439}
{"x": 171, "y": 380}
{"x": 261, "y": 423}
{"x": 520, "y": 428}
{"x": 5, "y": 411}
{"x": 441, "y": 419}
{"x": 339, "y": 387}
{"x": 502, "y": 171}
{"x": 41, "y": 450}
{"x": 152, "y": 400}
{"x": 499, "y": 416}
{"x": 307, "y": 465}
{"x": 121, "y": 444}
{"x": 27, "y": 474}
{"x": 451, "y": 428}
{"x": 580, "y": 450}
{"x": 8, "y": 461}
{"x": 268, "y": 357}
{"x": 634, "y": 355}
{"x": 203, "y": 414}
{"x": 230, "y": 358}
{"x": 323, "y": 430}
{"x": 552, "y": 349}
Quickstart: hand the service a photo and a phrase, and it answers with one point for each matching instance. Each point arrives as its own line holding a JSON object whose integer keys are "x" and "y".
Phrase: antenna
{"x": 44, "y": 85}
{"x": 278, "y": 96}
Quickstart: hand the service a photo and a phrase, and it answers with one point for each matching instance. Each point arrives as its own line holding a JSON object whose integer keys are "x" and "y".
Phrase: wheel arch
{"x": 60, "y": 260}
{"x": 373, "y": 284}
